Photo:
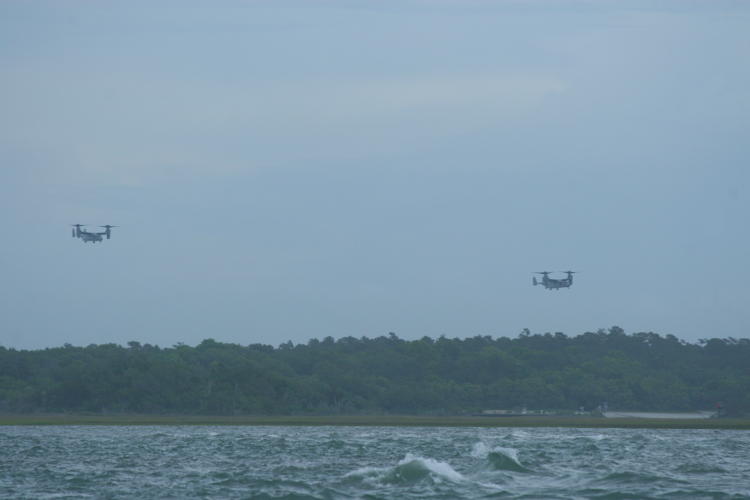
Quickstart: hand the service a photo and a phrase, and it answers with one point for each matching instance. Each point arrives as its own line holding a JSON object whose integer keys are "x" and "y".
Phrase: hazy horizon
{"x": 294, "y": 170}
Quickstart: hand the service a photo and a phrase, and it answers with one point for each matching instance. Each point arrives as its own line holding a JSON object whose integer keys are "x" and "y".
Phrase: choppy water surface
{"x": 371, "y": 463}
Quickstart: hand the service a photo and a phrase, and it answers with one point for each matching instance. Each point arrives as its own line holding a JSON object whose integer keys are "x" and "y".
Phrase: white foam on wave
{"x": 498, "y": 457}
{"x": 520, "y": 434}
{"x": 366, "y": 472}
{"x": 481, "y": 450}
{"x": 410, "y": 468}
{"x": 511, "y": 453}
{"x": 435, "y": 467}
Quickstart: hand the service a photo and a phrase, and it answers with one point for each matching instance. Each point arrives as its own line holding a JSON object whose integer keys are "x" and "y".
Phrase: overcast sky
{"x": 284, "y": 170}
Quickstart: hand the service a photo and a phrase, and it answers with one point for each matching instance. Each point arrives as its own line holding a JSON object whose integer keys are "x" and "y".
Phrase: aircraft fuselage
{"x": 554, "y": 284}
{"x": 92, "y": 237}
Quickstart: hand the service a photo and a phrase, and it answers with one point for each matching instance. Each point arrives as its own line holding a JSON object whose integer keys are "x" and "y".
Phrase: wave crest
{"x": 411, "y": 469}
{"x": 498, "y": 458}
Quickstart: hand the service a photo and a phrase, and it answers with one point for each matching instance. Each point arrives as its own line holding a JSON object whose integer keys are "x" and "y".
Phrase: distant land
{"x": 553, "y": 376}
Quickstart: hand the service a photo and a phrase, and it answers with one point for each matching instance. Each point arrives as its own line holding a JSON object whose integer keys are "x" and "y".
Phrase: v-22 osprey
{"x": 552, "y": 283}
{"x": 93, "y": 237}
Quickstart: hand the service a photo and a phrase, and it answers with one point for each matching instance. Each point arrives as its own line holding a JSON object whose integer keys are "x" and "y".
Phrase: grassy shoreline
{"x": 374, "y": 420}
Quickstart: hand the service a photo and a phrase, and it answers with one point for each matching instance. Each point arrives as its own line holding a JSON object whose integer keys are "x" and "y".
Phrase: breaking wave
{"x": 411, "y": 469}
{"x": 498, "y": 457}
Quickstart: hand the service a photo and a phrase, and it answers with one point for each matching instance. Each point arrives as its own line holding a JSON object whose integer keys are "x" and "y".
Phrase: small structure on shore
{"x": 501, "y": 413}
{"x": 644, "y": 414}
{"x": 513, "y": 413}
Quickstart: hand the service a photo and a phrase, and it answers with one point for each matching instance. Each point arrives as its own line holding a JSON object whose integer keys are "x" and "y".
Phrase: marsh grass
{"x": 376, "y": 420}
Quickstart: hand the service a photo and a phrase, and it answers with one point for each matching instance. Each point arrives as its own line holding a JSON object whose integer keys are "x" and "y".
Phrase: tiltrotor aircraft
{"x": 554, "y": 284}
{"x": 87, "y": 236}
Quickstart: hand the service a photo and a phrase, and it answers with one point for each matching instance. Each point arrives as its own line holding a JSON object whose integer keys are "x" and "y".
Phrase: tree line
{"x": 444, "y": 376}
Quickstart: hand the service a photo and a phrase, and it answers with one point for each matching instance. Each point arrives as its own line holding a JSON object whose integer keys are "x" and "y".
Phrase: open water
{"x": 371, "y": 463}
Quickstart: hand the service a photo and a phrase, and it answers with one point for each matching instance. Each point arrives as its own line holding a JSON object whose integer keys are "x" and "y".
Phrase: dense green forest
{"x": 640, "y": 371}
